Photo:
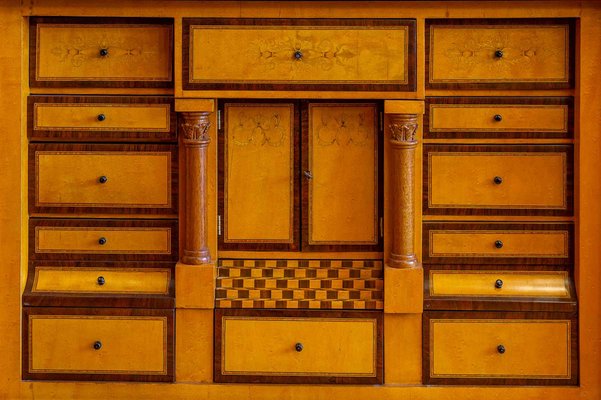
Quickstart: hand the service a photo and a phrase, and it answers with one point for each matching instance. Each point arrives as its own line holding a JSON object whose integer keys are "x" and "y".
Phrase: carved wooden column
{"x": 403, "y": 143}
{"x": 194, "y": 127}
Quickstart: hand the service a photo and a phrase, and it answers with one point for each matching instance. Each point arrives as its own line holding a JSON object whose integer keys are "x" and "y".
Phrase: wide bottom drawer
{"x": 98, "y": 344}
{"x": 298, "y": 346}
{"x": 500, "y": 348}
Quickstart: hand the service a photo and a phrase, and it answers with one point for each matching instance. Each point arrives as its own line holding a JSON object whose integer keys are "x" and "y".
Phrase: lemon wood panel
{"x": 299, "y": 54}
{"x": 100, "y": 343}
{"x": 535, "y": 54}
{"x": 309, "y": 346}
{"x": 259, "y": 155}
{"x": 340, "y": 177}
{"x": 102, "y": 178}
{"x": 515, "y": 180}
{"x": 537, "y": 348}
{"x": 101, "y": 52}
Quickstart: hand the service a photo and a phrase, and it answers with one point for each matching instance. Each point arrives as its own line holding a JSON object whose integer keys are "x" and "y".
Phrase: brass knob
{"x": 102, "y": 241}
{"x": 101, "y": 117}
{"x": 498, "y": 117}
{"x": 298, "y": 347}
{"x": 497, "y": 180}
{"x": 104, "y": 52}
{"x": 103, "y": 179}
{"x": 498, "y": 244}
{"x": 101, "y": 281}
{"x": 501, "y": 349}
{"x": 298, "y": 55}
{"x": 499, "y": 283}
{"x": 97, "y": 345}
{"x": 499, "y": 53}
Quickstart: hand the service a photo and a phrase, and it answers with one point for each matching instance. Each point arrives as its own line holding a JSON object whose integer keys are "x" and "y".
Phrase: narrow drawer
{"x": 103, "y": 118}
{"x": 90, "y": 239}
{"x": 98, "y": 344}
{"x": 500, "y": 53}
{"x": 490, "y": 348}
{"x": 101, "y": 52}
{"x": 500, "y": 243}
{"x": 71, "y": 178}
{"x": 498, "y": 117}
{"x": 498, "y": 180}
{"x": 298, "y": 346}
{"x": 299, "y": 54}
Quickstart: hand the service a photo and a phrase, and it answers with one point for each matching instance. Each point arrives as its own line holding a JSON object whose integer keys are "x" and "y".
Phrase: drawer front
{"x": 98, "y": 178}
{"x": 299, "y": 54}
{"x": 533, "y": 54}
{"x": 498, "y": 350}
{"x": 103, "y": 239}
{"x": 298, "y": 347}
{"x": 499, "y": 180}
{"x": 101, "y": 281}
{"x": 499, "y": 284}
{"x": 493, "y": 117}
{"x": 101, "y": 118}
{"x": 101, "y": 52}
{"x": 498, "y": 243}
{"x": 98, "y": 344}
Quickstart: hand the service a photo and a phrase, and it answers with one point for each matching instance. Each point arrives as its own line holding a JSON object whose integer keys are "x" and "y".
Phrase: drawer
{"x": 299, "y": 54}
{"x": 500, "y": 243}
{"x": 488, "y": 348}
{"x": 98, "y": 344}
{"x": 500, "y": 53}
{"x": 71, "y": 178}
{"x": 101, "y": 52}
{"x": 89, "y": 239}
{"x": 498, "y": 117}
{"x": 97, "y": 118}
{"x": 298, "y": 346}
{"x": 498, "y": 180}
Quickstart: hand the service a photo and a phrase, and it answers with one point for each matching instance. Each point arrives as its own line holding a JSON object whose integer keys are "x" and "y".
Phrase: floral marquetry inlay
{"x": 344, "y": 129}
{"x": 258, "y": 128}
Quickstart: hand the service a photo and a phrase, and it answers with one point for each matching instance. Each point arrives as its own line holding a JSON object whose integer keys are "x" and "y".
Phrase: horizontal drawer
{"x": 490, "y": 349}
{"x": 299, "y": 54}
{"x": 88, "y": 239}
{"x": 270, "y": 346}
{"x": 98, "y": 344}
{"x": 101, "y": 118}
{"x": 103, "y": 178}
{"x": 499, "y": 180}
{"x": 477, "y": 53}
{"x": 483, "y": 243}
{"x": 101, "y": 52}
{"x": 494, "y": 117}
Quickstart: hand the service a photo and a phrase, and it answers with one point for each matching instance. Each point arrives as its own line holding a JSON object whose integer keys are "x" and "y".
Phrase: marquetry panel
{"x": 299, "y": 54}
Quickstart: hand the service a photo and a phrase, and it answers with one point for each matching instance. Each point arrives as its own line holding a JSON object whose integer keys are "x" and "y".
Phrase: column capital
{"x": 194, "y": 127}
{"x": 403, "y": 129}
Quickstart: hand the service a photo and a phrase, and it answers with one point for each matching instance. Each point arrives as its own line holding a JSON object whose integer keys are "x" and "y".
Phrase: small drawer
{"x": 299, "y": 54}
{"x": 298, "y": 346}
{"x": 98, "y": 344}
{"x": 500, "y": 53}
{"x": 89, "y": 239}
{"x": 70, "y": 178}
{"x": 101, "y": 118}
{"x": 498, "y": 180}
{"x": 101, "y": 52}
{"x": 499, "y": 243}
{"x": 490, "y": 348}
{"x": 498, "y": 117}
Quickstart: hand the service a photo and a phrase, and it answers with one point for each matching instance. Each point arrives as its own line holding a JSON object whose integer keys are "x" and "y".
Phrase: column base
{"x": 196, "y": 257}
{"x": 402, "y": 261}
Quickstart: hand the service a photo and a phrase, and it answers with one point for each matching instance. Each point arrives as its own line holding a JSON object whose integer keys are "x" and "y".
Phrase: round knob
{"x": 298, "y": 55}
{"x": 298, "y": 347}
{"x": 102, "y": 241}
{"x": 101, "y": 281}
{"x": 499, "y": 53}
{"x": 104, "y": 52}
{"x": 501, "y": 349}
{"x": 498, "y": 283}
{"x": 97, "y": 345}
{"x": 498, "y": 117}
{"x": 103, "y": 179}
{"x": 498, "y": 244}
{"x": 497, "y": 180}
{"x": 101, "y": 117}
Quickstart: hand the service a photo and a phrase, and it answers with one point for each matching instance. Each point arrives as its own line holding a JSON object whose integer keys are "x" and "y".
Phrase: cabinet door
{"x": 341, "y": 176}
{"x": 259, "y": 176}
